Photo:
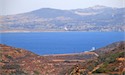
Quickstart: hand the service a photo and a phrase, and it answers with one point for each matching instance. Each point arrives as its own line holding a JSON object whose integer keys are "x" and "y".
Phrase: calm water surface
{"x": 60, "y": 42}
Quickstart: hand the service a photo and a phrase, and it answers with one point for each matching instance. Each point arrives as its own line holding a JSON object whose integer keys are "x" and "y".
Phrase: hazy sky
{"x": 8, "y": 7}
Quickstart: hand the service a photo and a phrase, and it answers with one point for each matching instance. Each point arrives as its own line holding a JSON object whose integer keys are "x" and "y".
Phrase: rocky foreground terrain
{"x": 104, "y": 61}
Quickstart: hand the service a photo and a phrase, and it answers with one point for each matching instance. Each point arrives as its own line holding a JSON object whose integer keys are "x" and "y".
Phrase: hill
{"x": 22, "y": 62}
{"x": 106, "y": 60}
{"x": 109, "y": 62}
{"x": 97, "y": 18}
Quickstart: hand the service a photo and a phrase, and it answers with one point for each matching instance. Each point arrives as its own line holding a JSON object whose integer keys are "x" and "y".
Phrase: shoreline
{"x": 53, "y": 31}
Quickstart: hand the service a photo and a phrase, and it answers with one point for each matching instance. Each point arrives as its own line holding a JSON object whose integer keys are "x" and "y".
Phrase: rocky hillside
{"x": 106, "y": 60}
{"x": 21, "y": 62}
{"x": 97, "y": 18}
{"x": 111, "y": 61}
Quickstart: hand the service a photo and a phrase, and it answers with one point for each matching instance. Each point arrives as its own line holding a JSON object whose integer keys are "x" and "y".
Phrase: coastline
{"x": 52, "y": 31}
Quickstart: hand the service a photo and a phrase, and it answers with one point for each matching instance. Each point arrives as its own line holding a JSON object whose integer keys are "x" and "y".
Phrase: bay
{"x": 44, "y": 43}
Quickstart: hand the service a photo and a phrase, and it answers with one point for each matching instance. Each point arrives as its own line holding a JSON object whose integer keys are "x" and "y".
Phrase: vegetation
{"x": 18, "y": 72}
{"x": 123, "y": 73}
{"x": 13, "y": 66}
{"x": 8, "y": 56}
{"x": 112, "y": 57}
{"x": 36, "y": 72}
{"x": 0, "y": 55}
{"x": 109, "y": 59}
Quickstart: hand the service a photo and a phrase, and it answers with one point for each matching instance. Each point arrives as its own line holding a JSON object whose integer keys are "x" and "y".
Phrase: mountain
{"x": 107, "y": 60}
{"x": 52, "y": 13}
{"x": 97, "y": 18}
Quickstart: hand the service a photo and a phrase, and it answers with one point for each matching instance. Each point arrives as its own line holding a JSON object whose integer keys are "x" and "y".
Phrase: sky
{"x": 9, "y": 7}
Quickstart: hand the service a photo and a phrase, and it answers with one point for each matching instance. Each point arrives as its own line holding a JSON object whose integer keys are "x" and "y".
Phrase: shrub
{"x": 8, "y": 56}
{"x": 18, "y": 72}
{"x": 15, "y": 66}
{"x": 36, "y": 72}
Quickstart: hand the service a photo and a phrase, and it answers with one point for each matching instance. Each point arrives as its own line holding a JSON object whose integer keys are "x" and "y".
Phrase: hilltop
{"x": 108, "y": 60}
{"x": 97, "y": 18}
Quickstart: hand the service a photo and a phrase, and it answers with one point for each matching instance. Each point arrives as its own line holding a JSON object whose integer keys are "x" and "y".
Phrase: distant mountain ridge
{"x": 97, "y": 18}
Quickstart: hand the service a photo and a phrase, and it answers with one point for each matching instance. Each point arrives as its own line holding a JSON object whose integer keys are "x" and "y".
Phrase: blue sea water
{"x": 44, "y": 43}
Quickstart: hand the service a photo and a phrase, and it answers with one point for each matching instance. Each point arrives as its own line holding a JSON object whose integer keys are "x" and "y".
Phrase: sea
{"x": 47, "y": 43}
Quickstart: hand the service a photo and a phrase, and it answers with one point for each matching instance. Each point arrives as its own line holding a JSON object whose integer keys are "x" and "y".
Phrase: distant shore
{"x": 53, "y": 31}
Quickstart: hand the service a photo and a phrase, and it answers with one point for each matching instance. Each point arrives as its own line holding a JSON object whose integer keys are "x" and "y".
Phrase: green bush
{"x": 123, "y": 73}
{"x": 8, "y": 56}
{"x": 111, "y": 58}
{"x": 15, "y": 66}
{"x": 0, "y": 56}
{"x": 101, "y": 70}
{"x": 36, "y": 72}
{"x": 18, "y": 72}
